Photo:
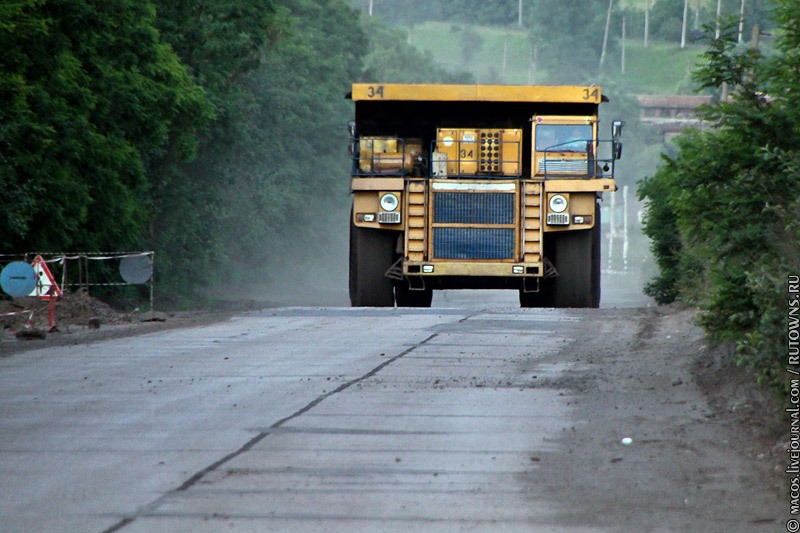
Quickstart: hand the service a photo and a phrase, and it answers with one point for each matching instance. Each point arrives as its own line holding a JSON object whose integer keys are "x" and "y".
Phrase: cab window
{"x": 563, "y": 137}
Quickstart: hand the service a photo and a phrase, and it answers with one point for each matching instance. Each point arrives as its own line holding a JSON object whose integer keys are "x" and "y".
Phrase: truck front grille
{"x": 563, "y": 166}
{"x": 473, "y": 208}
{"x": 473, "y": 243}
{"x": 474, "y": 221}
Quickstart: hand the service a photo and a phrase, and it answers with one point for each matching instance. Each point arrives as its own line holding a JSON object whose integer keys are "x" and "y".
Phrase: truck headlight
{"x": 558, "y": 203}
{"x": 389, "y": 202}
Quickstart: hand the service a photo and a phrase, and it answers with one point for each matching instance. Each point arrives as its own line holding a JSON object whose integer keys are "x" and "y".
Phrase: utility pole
{"x": 741, "y": 22}
{"x": 683, "y": 25}
{"x": 646, "y": 21}
{"x": 623, "y": 44}
{"x": 696, "y": 24}
{"x": 519, "y": 18}
{"x": 719, "y": 8}
{"x": 625, "y": 228}
{"x": 755, "y": 36}
{"x": 605, "y": 34}
{"x": 370, "y": 7}
{"x": 505, "y": 58}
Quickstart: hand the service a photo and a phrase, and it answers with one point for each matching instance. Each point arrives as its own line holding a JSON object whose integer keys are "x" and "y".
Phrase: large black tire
{"x": 577, "y": 259}
{"x": 597, "y": 261}
{"x": 371, "y": 255}
{"x": 410, "y": 298}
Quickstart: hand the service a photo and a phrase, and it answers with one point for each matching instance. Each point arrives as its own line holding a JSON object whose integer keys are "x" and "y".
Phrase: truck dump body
{"x": 453, "y": 189}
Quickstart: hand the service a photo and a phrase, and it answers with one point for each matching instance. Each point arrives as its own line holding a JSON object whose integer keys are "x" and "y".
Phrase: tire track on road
{"x": 195, "y": 478}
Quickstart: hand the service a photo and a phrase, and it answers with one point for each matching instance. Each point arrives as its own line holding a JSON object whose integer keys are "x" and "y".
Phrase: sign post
{"x": 46, "y": 289}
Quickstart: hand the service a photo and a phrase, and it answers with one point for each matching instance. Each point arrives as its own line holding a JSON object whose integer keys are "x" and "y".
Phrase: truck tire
{"x": 577, "y": 256}
{"x": 371, "y": 254}
{"x": 409, "y": 298}
{"x": 597, "y": 260}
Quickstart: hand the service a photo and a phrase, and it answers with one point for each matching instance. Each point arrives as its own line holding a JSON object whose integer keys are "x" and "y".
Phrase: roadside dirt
{"x": 707, "y": 446}
{"x": 81, "y": 319}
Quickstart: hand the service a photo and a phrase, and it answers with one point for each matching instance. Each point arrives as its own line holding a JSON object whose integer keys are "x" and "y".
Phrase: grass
{"x": 661, "y": 68}
{"x": 446, "y": 42}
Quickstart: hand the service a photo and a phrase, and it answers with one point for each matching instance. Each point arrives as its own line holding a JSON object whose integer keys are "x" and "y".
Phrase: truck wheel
{"x": 408, "y": 298}
{"x": 596, "y": 259}
{"x": 371, "y": 254}
{"x": 577, "y": 255}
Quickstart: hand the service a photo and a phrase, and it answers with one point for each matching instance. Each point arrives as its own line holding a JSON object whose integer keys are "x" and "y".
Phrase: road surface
{"x": 470, "y": 416}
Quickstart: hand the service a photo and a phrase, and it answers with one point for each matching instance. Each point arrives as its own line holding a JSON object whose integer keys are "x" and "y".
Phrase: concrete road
{"x": 471, "y": 416}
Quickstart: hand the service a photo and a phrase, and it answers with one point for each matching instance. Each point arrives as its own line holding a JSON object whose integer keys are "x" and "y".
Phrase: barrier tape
{"x": 64, "y": 258}
{"x": 96, "y": 284}
{"x": 17, "y": 313}
{"x": 99, "y": 256}
{"x": 111, "y": 254}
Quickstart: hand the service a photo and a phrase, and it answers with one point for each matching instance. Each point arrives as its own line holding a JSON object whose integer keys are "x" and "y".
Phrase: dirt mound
{"x": 73, "y": 309}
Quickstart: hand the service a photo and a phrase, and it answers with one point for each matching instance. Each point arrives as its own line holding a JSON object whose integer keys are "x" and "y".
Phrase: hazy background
{"x": 540, "y": 42}
{"x": 487, "y": 41}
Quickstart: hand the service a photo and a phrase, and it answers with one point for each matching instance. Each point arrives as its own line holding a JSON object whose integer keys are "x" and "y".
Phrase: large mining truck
{"x": 478, "y": 187}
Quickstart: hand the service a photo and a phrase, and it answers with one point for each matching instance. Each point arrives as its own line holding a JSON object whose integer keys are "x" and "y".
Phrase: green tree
{"x": 569, "y": 39}
{"x": 261, "y": 184}
{"x": 221, "y": 42}
{"x": 390, "y": 59}
{"x": 723, "y": 211}
{"x": 471, "y": 43}
{"x": 94, "y": 93}
{"x": 269, "y": 189}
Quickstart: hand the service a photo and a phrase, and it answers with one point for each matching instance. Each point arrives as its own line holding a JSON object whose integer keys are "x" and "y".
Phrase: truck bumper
{"x": 468, "y": 268}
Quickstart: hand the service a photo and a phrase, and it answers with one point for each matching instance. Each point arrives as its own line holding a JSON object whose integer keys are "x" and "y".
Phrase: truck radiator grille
{"x": 566, "y": 166}
{"x": 473, "y": 208}
{"x": 473, "y": 243}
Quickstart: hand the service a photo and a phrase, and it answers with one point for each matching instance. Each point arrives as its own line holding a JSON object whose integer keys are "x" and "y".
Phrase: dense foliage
{"x": 212, "y": 131}
{"x": 723, "y": 211}
{"x": 90, "y": 95}
{"x": 567, "y": 36}
{"x": 569, "y": 39}
{"x": 666, "y": 18}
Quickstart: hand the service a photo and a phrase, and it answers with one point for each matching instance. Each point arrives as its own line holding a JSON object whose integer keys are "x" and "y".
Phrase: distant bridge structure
{"x": 671, "y": 113}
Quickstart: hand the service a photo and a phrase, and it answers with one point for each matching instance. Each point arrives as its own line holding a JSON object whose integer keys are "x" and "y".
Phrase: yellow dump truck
{"x": 477, "y": 187}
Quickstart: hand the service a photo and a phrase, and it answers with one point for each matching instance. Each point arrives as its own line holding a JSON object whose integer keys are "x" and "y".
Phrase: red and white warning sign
{"x": 46, "y": 286}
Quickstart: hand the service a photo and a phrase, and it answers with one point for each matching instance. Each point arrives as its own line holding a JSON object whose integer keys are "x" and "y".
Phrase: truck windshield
{"x": 563, "y": 137}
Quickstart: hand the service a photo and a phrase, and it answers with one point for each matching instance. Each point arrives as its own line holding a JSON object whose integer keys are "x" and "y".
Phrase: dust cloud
{"x": 308, "y": 272}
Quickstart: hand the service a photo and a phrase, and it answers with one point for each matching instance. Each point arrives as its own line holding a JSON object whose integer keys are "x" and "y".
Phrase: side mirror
{"x": 351, "y": 146}
{"x": 616, "y": 129}
{"x": 617, "y": 149}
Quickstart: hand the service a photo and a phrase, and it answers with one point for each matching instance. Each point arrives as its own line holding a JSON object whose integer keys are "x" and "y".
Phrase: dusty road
{"x": 472, "y": 416}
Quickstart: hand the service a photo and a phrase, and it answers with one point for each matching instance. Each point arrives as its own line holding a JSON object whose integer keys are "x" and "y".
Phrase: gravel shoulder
{"x": 705, "y": 442}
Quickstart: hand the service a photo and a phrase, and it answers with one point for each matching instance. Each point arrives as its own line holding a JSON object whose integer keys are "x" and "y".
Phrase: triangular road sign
{"x": 46, "y": 286}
